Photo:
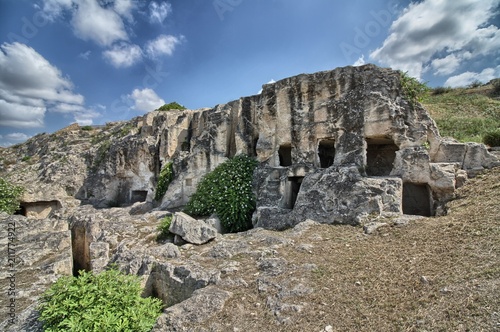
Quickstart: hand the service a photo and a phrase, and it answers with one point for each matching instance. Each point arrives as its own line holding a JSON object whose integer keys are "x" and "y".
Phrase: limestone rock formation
{"x": 340, "y": 146}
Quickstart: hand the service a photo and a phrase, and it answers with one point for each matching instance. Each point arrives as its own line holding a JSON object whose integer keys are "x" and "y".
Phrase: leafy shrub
{"x": 109, "y": 301}
{"x": 227, "y": 192}
{"x": 492, "y": 138}
{"x": 413, "y": 90}
{"x": 496, "y": 85}
{"x": 163, "y": 228}
{"x": 166, "y": 176}
{"x": 87, "y": 128}
{"x": 26, "y": 158}
{"x": 475, "y": 84}
{"x": 440, "y": 90}
{"x": 9, "y": 196}
{"x": 171, "y": 106}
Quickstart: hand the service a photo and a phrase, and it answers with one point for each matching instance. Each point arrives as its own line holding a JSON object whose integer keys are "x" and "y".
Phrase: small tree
{"x": 413, "y": 89}
{"x": 9, "y": 196}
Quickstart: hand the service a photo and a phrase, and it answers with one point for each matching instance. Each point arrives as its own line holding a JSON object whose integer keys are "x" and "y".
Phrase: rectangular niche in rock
{"x": 138, "y": 196}
{"x": 292, "y": 189}
{"x": 380, "y": 155}
{"x": 285, "y": 155}
{"x": 326, "y": 152}
{"x": 417, "y": 199}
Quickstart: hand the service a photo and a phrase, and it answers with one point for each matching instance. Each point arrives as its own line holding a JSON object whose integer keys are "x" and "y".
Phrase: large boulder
{"x": 192, "y": 230}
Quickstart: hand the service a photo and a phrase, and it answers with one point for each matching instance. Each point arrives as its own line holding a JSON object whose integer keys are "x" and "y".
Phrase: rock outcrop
{"x": 335, "y": 147}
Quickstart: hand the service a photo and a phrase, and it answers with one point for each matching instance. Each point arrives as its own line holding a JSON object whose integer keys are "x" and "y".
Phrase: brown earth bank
{"x": 432, "y": 274}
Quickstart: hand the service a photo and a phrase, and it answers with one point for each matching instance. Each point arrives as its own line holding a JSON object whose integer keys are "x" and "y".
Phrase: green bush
{"x": 109, "y": 301}
{"x": 166, "y": 176}
{"x": 171, "y": 106}
{"x": 413, "y": 90}
{"x": 492, "y": 138}
{"x": 440, "y": 90}
{"x": 163, "y": 228}
{"x": 227, "y": 192}
{"x": 87, "y": 128}
{"x": 9, "y": 196}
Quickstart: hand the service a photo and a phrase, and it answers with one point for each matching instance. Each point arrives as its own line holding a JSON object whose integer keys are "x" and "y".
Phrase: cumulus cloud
{"x": 92, "y": 22}
{"x": 145, "y": 100}
{"x": 456, "y": 30}
{"x": 162, "y": 45}
{"x": 13, "y": 138}
{"x": 123, "y": 55}
{"x": 158, "y": 12}
{"x": 468, "y": 77}
{"x": 360, "y": 61}
{"x": 30, "y": 86}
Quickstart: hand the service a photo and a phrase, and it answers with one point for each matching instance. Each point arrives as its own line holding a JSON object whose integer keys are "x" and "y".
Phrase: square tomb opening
{"x": 380, "y": 155}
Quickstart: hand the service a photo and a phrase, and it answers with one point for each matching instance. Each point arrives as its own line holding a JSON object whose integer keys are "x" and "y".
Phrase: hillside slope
{"x": 433, "y": 274}
{"x": 465, "y": 114}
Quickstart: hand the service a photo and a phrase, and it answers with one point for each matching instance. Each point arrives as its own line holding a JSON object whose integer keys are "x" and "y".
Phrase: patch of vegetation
{"x": 464, "y": 114}
{"x": 10, "y": 196}
{"x": 109, "y": 301}
{"x": 166, "y": 176}
{"x": 227, "y": 192}
{"x": 440, "y": 90}
{"x": 171, "y": 106}
{"x": 492, "y": 138}
{"x": 413, "y": 90}
{"x": 102, "y": 151}
{"x": 87, "y": 128}
{"x": 26, "y": 158}
{"x": 163, "y": 228}
{"x": 125, "y": 130}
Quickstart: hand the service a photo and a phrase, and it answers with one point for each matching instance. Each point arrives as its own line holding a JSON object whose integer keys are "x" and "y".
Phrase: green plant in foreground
{"x": 109, "y": 301}
{"x": 227, "y": 192}
{"x": 166, "y": 176}
{"x": 413, "y": 90}
{"x": 163, "y": 228}
{"x": 492, "y": 138}
{"x": 10, "y": 196}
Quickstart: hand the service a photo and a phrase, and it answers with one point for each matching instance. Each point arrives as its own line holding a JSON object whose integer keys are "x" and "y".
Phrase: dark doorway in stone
{"x": 292, "y": 191}
{"x": 138, "y": 196}
{"x": 417, "y": 199}
{"x": 326, "y": 152}
{"x": 285, "y": 155}
{"x": 380, "y": 155}
{"x": 81, "y": 249}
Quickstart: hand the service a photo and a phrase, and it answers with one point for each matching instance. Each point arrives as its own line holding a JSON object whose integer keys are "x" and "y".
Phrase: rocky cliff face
{"x": 341, "y": 146}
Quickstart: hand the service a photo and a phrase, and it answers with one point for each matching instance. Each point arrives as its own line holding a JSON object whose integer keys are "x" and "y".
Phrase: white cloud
{"x": 158, "y": 12}
{"x": 468, "y": 77}
{"x": 13, "y": 138}
{"x": 360, "y": 61}
{"x": 92, "y": 22}
{"x": 85, "y": 55}
{"x": 162, "y": 45}
{"x": 30, "y": 86}
{"x": 123, "y": 55}
{"x": 52, "y": 9}
{"x": 145, "y": 100}
{"x": 124, "y": 8}
{"x": 446, "y": 65}
{"x": 428, "y": 28}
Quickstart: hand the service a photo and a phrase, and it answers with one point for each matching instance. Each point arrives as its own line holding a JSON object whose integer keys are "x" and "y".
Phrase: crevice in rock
{"x": 326, "y": 152}
{"x": 417, "y": 199}
{"x": 80, "y": 245}
{"x": 292, "y": 191}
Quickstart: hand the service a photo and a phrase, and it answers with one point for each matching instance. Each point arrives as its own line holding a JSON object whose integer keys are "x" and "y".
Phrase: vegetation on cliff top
{"x": 171, "y": 106}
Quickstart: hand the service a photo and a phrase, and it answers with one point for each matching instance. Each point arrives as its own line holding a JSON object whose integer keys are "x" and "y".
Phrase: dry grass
{"x": 435, "y": 274}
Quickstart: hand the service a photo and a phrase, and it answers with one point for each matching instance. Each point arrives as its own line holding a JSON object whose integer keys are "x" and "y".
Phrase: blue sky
{"x": 95, "y": 61}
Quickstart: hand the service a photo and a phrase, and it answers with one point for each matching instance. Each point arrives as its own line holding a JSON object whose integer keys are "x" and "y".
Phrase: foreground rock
{"x": 192, "y": 230}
